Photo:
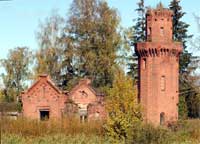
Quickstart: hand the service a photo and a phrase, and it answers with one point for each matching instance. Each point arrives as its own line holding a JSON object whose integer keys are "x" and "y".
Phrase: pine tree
{"x": 192, "y": 92}
{"x": 180, "y": 33}
{"x": 139, "y": 35}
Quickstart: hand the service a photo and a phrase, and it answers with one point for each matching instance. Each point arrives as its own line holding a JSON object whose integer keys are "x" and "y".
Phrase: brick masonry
{"x": 90, "y": 103}
{"x": 43, "y": 95}
{"x": 159, "y": 69}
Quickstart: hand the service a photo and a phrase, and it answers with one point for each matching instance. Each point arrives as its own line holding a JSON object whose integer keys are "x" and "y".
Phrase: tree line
{"x": 85, "y": 44}
{"x": 91, "y": 43}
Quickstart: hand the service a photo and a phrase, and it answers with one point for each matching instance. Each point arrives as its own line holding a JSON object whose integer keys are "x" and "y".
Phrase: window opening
{"x": 144, "y": 63}
{"x": 44, "y": 115}
{"x": 163, "y": 83}
{"x": 162, "y": 31}
{"x": 149, "y": 31}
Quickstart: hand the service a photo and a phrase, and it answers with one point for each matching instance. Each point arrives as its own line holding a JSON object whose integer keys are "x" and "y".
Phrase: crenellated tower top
{"x": 159, "y": 25}
{"x": 159, "y": 32}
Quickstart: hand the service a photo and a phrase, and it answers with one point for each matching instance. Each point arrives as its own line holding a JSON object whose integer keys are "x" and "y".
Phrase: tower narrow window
{"x": 162, "y": 31}
{"x": 43, "y": 91}
{"x": 144, "y": 63}
{"x": 149, "y": 31}
{"x": 163, "y": 83}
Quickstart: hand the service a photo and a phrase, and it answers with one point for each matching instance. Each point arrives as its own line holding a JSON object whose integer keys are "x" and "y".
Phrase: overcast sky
{"x": 19, "y": 18}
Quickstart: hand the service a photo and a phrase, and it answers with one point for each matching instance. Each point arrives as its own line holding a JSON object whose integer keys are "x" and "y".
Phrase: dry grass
{"x": 36, "y": 128}
{"x": 72, "y": 131}
{"x": 187, "y": 130}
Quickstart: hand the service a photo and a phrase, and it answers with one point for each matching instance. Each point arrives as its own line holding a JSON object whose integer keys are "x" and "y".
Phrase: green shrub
{"x": 8, "y": 107}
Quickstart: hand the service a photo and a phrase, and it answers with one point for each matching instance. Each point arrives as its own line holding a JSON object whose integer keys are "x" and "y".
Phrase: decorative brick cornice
{"x": 150, "y": 49}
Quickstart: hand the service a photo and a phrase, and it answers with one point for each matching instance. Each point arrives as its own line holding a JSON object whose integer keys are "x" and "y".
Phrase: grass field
{"x": 71, "y": 131}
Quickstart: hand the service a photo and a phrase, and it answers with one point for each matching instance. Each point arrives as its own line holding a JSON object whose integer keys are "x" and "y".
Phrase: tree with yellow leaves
{"x": 16, "y": 72}
{"x": 123, "y": 109}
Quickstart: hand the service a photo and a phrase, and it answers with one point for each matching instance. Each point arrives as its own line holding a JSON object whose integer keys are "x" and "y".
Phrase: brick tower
{"x": 159, "y": 68}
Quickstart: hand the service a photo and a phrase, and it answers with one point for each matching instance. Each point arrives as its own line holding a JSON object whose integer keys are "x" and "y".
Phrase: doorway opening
{"x": 162, "y": 118}
{"x": 44, "y": 115}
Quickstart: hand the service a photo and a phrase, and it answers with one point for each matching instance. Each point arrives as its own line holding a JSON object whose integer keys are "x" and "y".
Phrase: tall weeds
{"x": 71, "y": 130}
{"x": 37, "y": 128}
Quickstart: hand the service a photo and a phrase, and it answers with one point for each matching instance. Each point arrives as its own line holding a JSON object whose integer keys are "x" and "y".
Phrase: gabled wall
{"x": 88, "y": 101}
{"x": 43, "y": 95}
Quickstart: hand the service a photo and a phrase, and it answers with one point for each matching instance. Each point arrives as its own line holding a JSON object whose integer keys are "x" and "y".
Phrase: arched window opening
{"x": 144, "y": 63}
{"x": 149, "y": 31}
{"x": 162, "y": 83}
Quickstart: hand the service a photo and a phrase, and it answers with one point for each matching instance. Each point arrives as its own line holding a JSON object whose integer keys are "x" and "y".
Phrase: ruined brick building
{"x": 90, "y": 102}
{"x": 159, "y": 68}
{"x": 43, "y": 100}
